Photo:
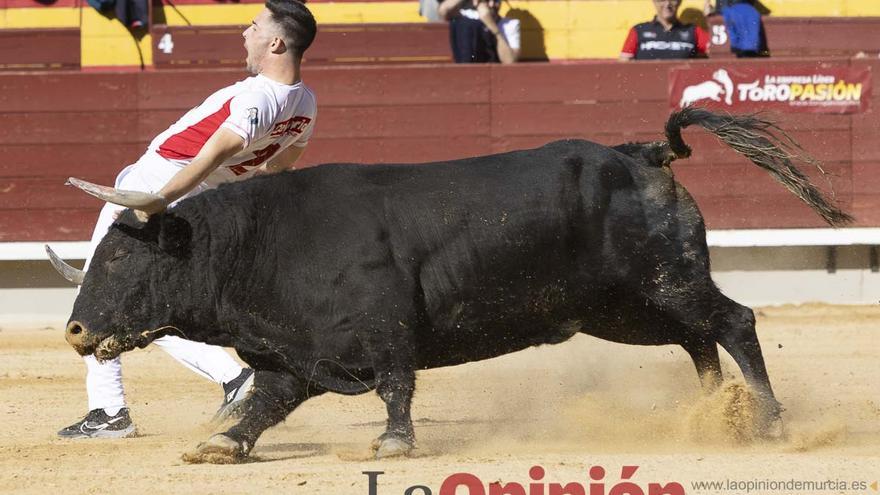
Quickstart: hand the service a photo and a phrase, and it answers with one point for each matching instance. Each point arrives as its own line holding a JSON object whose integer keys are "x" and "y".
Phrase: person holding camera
{"x": 478, "y": 33}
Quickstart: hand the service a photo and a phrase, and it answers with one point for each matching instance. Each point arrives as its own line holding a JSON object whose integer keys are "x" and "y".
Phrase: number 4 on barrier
{"x": 166, "y": 44}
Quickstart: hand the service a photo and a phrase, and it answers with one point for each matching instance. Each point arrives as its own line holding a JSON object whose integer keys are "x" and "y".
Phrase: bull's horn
{"x": 130, "y": 199}
{"x": 66, "y": 271}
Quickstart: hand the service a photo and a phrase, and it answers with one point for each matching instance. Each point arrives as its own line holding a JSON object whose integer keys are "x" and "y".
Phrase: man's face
{"x": 257, "y": 40}
{"x": 667, "y": 10}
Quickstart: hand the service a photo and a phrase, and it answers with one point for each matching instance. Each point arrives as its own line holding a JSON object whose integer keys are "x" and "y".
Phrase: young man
{"x": 478, "y": 34}
{"x": 259, "y": 125}
{"x": 665, "y": 37}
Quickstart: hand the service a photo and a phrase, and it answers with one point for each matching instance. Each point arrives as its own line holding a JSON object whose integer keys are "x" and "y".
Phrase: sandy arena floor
{"x": 567, "y": 408}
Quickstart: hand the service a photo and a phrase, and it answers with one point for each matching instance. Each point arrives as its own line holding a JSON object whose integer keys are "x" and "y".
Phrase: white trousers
{"x": 104, "y": 380}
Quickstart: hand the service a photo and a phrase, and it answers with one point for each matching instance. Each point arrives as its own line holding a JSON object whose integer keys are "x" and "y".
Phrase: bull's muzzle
{"x": 77, "y": 336}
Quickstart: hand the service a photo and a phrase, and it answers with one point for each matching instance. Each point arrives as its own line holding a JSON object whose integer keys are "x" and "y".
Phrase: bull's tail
{"x": 766, "y": 145}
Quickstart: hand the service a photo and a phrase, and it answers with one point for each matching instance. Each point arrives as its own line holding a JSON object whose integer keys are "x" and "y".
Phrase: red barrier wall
{"x": 89, "y": 125}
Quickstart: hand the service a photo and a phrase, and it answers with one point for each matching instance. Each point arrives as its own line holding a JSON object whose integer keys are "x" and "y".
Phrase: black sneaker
{"x": 235, "y": 392}
{"x": 97, "y": 424}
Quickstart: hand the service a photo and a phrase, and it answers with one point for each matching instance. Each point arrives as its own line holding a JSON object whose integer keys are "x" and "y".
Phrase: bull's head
{"x": 128, "y": 294}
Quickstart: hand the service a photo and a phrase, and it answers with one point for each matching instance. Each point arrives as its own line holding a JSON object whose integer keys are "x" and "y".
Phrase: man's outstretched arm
{"x": 220, "y": 146}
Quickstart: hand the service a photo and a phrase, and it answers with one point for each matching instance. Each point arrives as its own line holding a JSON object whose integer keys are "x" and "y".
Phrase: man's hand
{"x": 284, "y": 160}
{"x": 486, "y": 14}
{"x": 157, "y": 206}
{"x": 143, "y": 214}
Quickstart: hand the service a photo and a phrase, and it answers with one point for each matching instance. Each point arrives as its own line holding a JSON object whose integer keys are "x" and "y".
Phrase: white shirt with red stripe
{"x": 268, "y": 115}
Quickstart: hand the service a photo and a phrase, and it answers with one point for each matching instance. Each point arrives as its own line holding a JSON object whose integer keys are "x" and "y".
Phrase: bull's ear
{"x": 175, "y": 235}
{"x": 132, "y": 226}
{"x": 129, "y": 219}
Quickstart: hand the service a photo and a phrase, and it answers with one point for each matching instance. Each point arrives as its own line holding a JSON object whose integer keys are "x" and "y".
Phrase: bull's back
{"x": 426, "y": 205}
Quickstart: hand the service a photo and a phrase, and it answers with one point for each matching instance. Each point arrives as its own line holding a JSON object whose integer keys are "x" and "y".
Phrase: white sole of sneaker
{"x": 129, "y": 432}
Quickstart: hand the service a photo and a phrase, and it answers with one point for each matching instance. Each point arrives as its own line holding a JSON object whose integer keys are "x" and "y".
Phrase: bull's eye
{"x": 119, "y": 255}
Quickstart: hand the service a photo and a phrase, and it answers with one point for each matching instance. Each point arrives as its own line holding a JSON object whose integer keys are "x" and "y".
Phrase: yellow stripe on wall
{"x": 106, "y": 42}
{"x": 326, "y": 13}
{"x": 587, "y": 13}
{"x": 210, "y": 15}
{"x": 60, "y": 17}
{"x": 599, "y": 13}
{"x": 571, "y": 28}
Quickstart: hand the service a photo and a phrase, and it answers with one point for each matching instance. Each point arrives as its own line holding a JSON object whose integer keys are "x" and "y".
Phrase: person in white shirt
{"x": 259, "y": 125}
{"x": 478, "y": 33}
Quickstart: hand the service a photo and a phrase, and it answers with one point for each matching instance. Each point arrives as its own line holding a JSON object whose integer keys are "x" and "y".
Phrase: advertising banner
{"x": 789, "y": 88}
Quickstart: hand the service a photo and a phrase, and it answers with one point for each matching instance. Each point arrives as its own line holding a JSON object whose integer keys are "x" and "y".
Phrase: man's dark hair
{"x": 296, "y": 21}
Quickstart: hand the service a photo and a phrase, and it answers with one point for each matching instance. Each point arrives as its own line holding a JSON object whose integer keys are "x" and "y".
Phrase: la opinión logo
{"x": 455, "y": 484}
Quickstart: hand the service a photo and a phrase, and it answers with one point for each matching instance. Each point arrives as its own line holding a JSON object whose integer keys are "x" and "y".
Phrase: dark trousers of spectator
{"x": 133, "y": 13}
{"x": 471, "y": 42}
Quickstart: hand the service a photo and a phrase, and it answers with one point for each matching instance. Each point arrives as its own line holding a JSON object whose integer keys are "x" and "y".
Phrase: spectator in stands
{"x": 665, "y": 37}
{"x": 428, "y": 10}
{"x": 478, "y": 34}
{"x": 744, "y": 27}
{"x": 133, "y": 13}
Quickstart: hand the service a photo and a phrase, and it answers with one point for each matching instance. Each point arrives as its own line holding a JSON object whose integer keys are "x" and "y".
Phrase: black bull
{"x": 347, "y": 278}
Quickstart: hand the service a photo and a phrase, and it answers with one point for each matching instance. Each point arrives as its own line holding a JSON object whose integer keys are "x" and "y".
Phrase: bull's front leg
{"x": 273, "y": 397}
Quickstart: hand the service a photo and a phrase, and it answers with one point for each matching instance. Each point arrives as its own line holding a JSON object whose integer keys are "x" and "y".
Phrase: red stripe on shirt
{"x": 632, "y": 42}
{"x": 187, "y": 143}
{"x": 703, "y": 40}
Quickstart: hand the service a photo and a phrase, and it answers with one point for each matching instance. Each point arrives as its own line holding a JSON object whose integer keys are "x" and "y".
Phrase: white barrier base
{"x": 748, "y": 265}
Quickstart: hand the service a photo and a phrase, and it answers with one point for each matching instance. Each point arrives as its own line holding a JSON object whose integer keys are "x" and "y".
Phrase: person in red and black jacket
{"x": 665, "y": 37}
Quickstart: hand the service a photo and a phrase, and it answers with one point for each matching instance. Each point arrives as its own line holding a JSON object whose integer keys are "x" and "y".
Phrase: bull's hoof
{"x": 219, "y": 449}
{"x": 770, "y": 425}
{"x": 387, "y": 446}
{"x": 772, "y": 429}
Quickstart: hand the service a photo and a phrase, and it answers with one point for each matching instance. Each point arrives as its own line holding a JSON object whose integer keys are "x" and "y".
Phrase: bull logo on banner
{"x": 787, "y": 88}
{"x": 721, "y": 84}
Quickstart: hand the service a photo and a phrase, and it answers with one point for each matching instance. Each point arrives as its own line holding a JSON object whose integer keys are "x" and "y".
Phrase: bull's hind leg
{"x": 709, "y": 317}
{"x": 740, "y": 340}
{"x": 273, "y": 397}
{"x": 704, "y": 353}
